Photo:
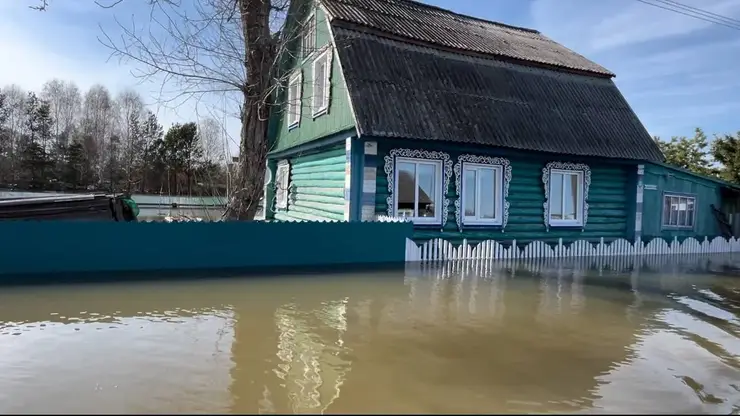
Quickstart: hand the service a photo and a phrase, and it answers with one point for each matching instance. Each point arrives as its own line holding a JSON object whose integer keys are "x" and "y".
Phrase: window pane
{"x": 487, "y": 194}
{"x": 469, "y": 192}
{"x": 426, "y": 178}
{"x": 556, "y": 196}
{"x": 666, "y": 210}
{"x": 690, "y": 213}
{"x": 681, "y": 215}
{"x": 674, "y": 211}
{"x": 406, "y": 188}
{"x": 318, "y": 85}
{"x": 570, "y": 196}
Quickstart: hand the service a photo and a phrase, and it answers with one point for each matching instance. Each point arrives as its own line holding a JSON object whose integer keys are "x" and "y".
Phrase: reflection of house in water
{"x": 301, "y": 368}
{"x": 459, "y": 344}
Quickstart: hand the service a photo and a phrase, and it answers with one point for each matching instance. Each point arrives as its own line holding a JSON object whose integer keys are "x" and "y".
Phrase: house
{"x": 472, "y": 129}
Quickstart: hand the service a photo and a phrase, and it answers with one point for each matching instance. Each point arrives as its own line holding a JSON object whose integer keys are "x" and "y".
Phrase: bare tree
{"x": 225, "y": 47}
{"x": 65, "y": 102}
{"x": 15, "y": 102}
{"x": 97, "y": 126}
{"x": 212, "y": 139}
{"x": 228, "y": 47}
{"x": 130, "y": 107}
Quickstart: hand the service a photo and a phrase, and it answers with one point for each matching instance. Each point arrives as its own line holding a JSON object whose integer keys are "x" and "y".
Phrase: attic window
{"x": 308, "y": 38}
{"x": 294, "y": 99}
{"x": 321, "y": 83}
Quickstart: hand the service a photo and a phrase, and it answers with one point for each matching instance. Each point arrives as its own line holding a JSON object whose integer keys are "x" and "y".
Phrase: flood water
{"x": 465, "y": 338}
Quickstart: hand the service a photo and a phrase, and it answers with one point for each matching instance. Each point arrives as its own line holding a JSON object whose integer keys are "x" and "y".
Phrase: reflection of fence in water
{"x": 483, "y": 283}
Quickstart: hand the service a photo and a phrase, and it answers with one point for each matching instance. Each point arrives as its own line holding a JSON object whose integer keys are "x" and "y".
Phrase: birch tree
{"x": 215, "y": 47}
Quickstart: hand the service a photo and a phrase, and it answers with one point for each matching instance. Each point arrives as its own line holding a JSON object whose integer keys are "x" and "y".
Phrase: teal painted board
{"x": 84, "y": 247}
{"x": 658, "y": 182}
{"x": 316, "y": 184}
{"x": 611, "y": 196}
{"x": 311, "y": 127}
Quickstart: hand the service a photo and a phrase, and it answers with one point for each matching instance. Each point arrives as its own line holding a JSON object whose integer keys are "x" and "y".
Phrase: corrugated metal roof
{"x": 407, "y": 91}
{"x": 420, "y": 22}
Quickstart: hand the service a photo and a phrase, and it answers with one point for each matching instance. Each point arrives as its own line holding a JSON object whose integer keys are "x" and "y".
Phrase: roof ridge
{"x": 453, "y": 13}
{"x": 448, "y": 11}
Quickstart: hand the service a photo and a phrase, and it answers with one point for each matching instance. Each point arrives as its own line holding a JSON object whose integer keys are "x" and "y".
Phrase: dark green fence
{"x": 56, "y": 247}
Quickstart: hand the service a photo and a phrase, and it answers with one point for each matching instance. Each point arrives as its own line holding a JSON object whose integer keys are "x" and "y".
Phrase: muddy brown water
{"x": 477, "y": 339}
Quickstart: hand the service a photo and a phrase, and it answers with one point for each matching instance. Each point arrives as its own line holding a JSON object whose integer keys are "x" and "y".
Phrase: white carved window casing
{"x": 308, "y": 38}
{"x": 482, "y": 185}
{"x": 321, "y": 82}
{"x": 566, "y": 194}
{"x": 293, "y": 104}
{"x": 678, "y": 211}
{"x": 417, "y": 183}
{"x": 282, "y": 184}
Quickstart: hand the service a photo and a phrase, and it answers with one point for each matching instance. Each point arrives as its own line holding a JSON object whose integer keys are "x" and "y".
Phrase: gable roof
{"x": 418, "y": 72}
{"x": 436, "y": 26}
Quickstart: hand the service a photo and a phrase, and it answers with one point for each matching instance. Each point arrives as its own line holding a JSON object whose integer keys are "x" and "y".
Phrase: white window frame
{"x": 318, "y": 110}
{"x": 438, "y": 191}
{"x": 294, "y": 114}
{"x": 309, "y": 31}
{"x": 282, "y": 184}
{"x": 498, "y": 171}
{"x": 677, "y": 226}
{"x": 583, "y": 173}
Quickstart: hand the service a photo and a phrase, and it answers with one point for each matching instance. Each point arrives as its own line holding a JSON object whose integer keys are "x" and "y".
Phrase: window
{"x": 282, "y": 184}
{"x": 321, "y": 83}
{"x": 295, "y": 86}
{"x": 308, "y": 40}
{"x": 678, "y": 211}
{"x": 418, "y": 190}
{"x": 567, "y": 189}
{"x": 482, "y": 194}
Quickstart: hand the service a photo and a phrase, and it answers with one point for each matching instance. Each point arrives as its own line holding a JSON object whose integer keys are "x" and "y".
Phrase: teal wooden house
{"x": 469, "y": 128}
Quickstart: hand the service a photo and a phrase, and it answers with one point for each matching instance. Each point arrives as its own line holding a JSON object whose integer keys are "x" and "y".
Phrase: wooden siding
{"x": 339, "y": 116}
{"x": 316, "y": 186}
{"x": 667, "y": 180}
{"x": 611, "y": 197}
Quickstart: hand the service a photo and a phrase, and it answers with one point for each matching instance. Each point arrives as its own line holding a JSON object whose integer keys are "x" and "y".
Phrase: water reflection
{"x": 616, "y": 336}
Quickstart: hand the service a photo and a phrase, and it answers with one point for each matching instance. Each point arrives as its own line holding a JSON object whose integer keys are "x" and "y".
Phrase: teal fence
{"x": 53, "y": 247}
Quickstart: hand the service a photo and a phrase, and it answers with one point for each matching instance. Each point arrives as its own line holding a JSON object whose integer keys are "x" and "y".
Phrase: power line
{"x": 694, "y": 12}
{"x": 700, "y": 11}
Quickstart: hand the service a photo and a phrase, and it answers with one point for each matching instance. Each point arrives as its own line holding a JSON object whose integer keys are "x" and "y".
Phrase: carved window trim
{"x": 293, "y": 104}
{"x": 282, "y": 184}
{"x": 317, "y": 108}
{"x": 422, "y": 155}
{"x": 505, "y": 169}
{"x": 586, "y": 183}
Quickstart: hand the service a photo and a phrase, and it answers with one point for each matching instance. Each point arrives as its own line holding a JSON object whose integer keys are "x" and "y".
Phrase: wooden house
{"x": 470, "y": 128}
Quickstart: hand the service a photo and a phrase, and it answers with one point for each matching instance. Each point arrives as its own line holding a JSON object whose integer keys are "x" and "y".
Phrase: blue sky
{"x": 677, "y": 72}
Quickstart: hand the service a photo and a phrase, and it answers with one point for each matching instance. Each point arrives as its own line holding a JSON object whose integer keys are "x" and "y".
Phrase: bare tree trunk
{"x": 259, "y": 63}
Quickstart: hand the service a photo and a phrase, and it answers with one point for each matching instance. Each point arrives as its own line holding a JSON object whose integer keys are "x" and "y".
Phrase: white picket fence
{"x": 441, "y": 250}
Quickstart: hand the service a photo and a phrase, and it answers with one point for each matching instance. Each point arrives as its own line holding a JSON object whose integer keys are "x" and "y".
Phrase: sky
{"x": 677, "y": 72}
